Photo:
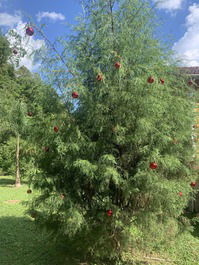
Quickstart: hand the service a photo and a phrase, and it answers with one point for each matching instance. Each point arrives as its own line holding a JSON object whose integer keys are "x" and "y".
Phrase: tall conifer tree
{"x": 120, "y": 156}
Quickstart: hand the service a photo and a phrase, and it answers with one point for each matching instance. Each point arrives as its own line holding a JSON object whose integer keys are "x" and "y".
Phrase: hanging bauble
{"x": 75, "y": 95}
{"x": 30, "y": 114}
{"x": 153, "y": 165}
{"x": 99, "y": 77}
{"x": 56, "y": 129}
{"x": 190, "y": 83}
{"x": 109, "y": 212}
{"x": 29, "y": 191}
{"x": 117, "y": 65}
{"x": 150, "y": 80}
{"x": 15, "y": 51}
{"x": 162, "y": 81}
{"x": 180, "y": 194}
{"x": 29, "y": 31}
{"x": 193, "y": 184}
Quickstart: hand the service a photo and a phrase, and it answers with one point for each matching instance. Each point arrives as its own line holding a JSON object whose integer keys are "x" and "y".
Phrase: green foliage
{"x": 4, "y": 50}
{"x": 7, "y": 156}
{"x": 99, "y": 159}
{"x": 22, "y": 92}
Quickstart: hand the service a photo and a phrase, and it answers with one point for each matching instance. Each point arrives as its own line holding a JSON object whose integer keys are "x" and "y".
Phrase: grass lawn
{"x": 22, "y": 243}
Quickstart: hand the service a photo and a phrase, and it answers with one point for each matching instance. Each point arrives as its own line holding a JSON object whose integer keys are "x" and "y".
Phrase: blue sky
{"x": 180, "y": 20}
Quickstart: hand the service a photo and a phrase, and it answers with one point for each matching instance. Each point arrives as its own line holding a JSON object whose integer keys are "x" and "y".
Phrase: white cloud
{"x": 51, "y": 15}
{"x": 187, "y": 48}
{"x": 169, "y": 4}
{"x": 30, "y": 44}
{"x": 9, "y": 20}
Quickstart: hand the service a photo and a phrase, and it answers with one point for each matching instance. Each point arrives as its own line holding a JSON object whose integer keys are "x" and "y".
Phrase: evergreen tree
{"x": 5, "y": 51}
{"x": 118, "y": 160}
{"x": 24, "y": 97}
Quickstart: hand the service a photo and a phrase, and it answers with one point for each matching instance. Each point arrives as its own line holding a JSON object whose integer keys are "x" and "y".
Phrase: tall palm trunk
{"x": 17, "y": 180}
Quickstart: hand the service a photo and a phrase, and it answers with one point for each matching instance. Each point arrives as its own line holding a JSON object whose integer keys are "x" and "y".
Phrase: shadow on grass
{"x": 195, "y": 224}
{"x": 21, "y": 243}
{"x": 6, "y": 182}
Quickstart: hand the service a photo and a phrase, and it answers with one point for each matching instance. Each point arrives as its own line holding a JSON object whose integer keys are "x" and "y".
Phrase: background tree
{"x": 24, "y": 98}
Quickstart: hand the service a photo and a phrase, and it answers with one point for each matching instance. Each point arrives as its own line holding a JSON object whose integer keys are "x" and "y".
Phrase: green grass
{"x": 21, "y": 243}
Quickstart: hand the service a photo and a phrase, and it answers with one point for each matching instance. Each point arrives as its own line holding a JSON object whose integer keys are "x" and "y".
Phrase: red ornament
{"x": 99, "y": 77}
{"x": 30, "y": 113}
{"x": 190, "y": 83}
{"x": 180, "y": 193}
{"x": 153, "y": 165}
{"x": 117, "y": 65}
{"x": 162, "y": 81}
{"x": 56, "y": 129}
{"x": 46, "y": 149}
{"x": 15, "y": 51}
{"x": 29, "y": 31}
{"x": 109, "y": 212}
{"x": 75, "y": 95}
{"x": 29, "y": 191}
{"x": 150, "y": 80}
{"x": 193, "y": 184}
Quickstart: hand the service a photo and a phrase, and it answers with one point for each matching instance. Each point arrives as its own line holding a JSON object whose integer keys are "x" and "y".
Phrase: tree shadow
{"x": 7, "y": 182}
{"x": 192, "y": 217}
{"x": 22, "y": 243}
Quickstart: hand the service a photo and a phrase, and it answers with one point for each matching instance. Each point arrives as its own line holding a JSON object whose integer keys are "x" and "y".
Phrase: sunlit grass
{"x": 21, "y": 243}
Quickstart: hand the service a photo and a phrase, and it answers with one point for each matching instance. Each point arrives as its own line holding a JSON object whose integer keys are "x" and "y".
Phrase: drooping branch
{"x": 111, "y": 3}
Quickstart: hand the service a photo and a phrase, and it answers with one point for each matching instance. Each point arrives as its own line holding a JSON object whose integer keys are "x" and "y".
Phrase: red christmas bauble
{"x": 56, "y": 129}
{"x": 30, "y": 113}
{"x": 153, "y": 165}
{"x": 109, "y": 212}
{"x": 15, "y": 51}
{"x": 75, "y": 95}
{"x": 46, "y": 149}
{"x": 162, "y": 81}
{"x": 29, "y": 191}
{"x": 150, "y": 80}
{"x": 190, "y": 83}
{"x": 29, "y": 31}
{"x": 99, "y": 77}
{"x": 193, "y": 184}
{"x": 117, "y": 65}
{"x": 180, "y": 193}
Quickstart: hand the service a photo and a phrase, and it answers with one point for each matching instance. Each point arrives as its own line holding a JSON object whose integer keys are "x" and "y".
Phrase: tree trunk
{"x": 17, "y": 181}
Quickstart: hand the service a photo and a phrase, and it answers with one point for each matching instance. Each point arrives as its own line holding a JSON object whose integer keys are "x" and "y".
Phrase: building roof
{"x": 194, "y": 70}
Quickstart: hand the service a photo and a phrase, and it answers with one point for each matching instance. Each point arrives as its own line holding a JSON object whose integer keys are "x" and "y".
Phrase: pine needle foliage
{"x": 99, "y": 159}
